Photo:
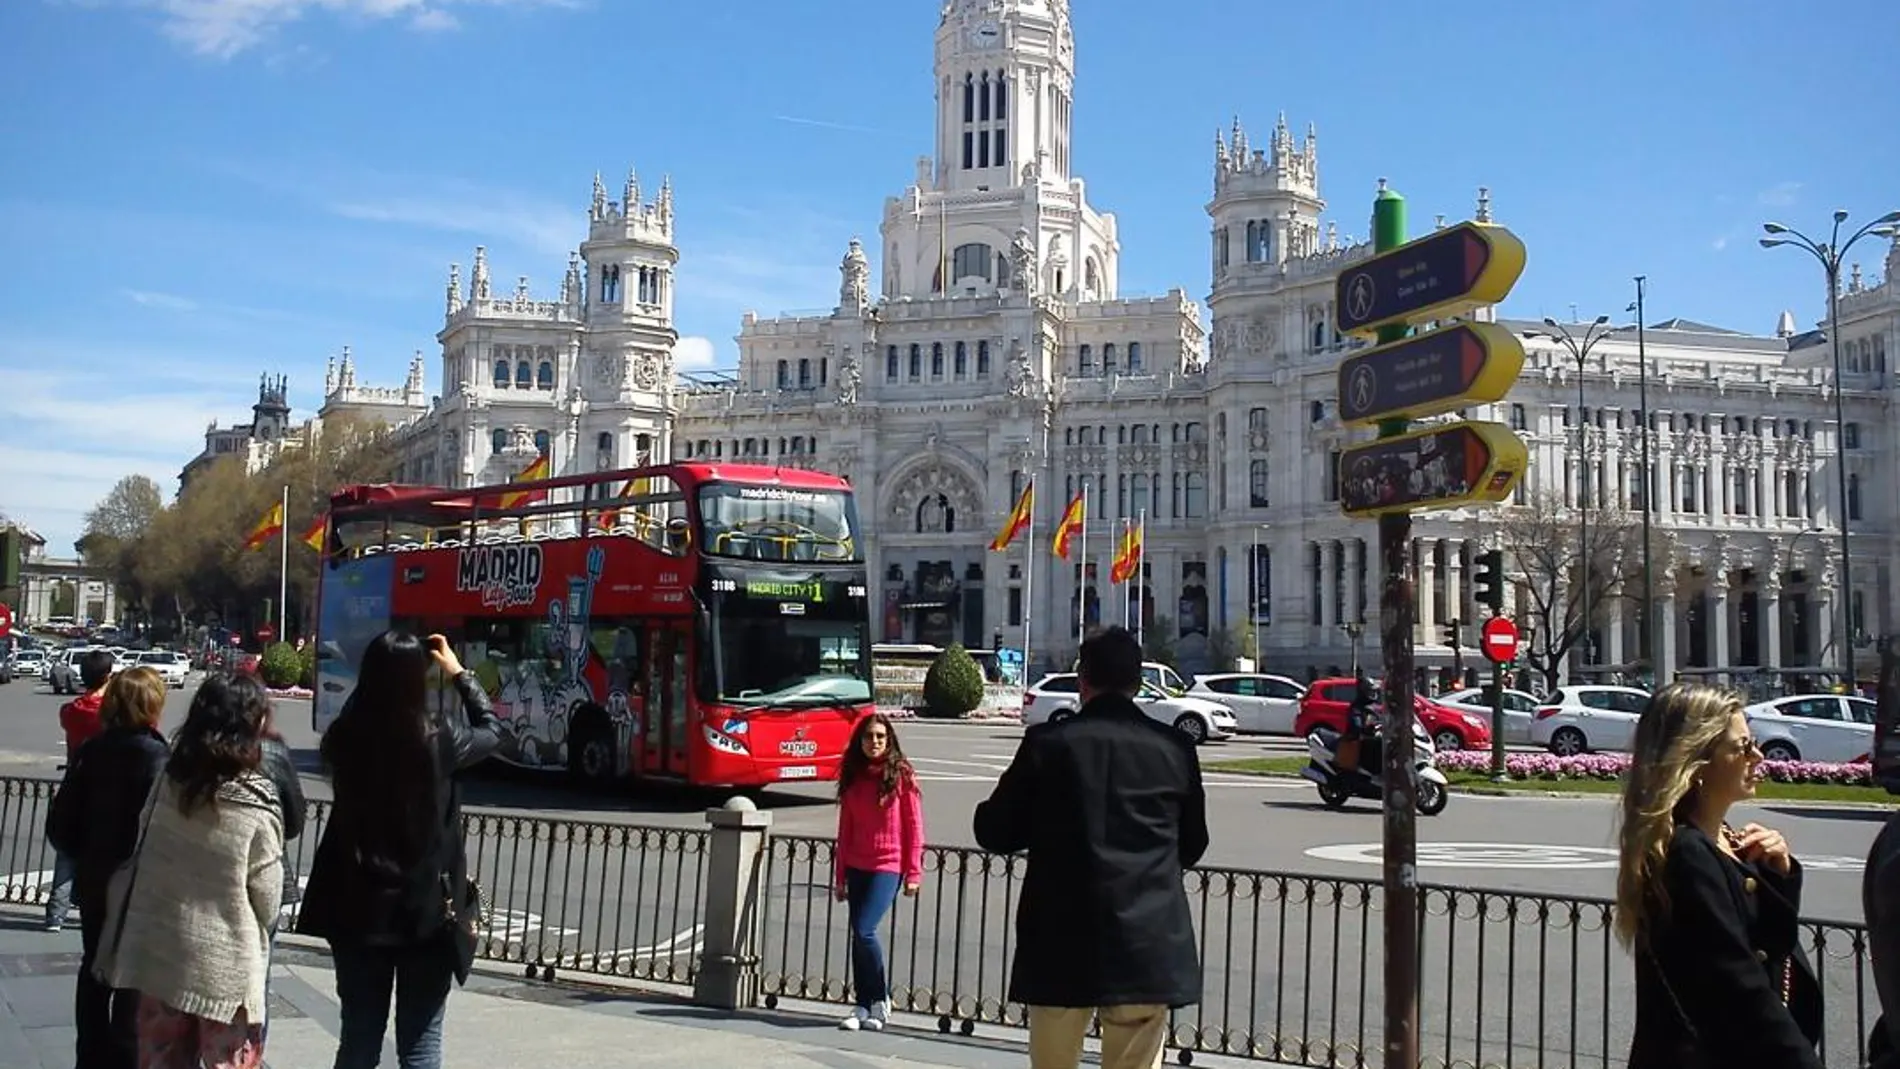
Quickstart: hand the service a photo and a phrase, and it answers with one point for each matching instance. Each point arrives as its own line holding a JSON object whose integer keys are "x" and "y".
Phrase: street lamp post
{"x": 1580, "y": 351}
{"x": 1255, "y": 588}
{"x": 1831, "y": 256}
{"x": 1651, "y": 654}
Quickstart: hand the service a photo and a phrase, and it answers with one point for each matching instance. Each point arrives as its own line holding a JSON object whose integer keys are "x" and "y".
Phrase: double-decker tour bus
{"x": 699, "y": 623}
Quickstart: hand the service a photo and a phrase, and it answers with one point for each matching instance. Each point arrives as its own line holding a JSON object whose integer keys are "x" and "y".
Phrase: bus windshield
{"x": 776, "y": 523}
{"x": 788, "y": 644}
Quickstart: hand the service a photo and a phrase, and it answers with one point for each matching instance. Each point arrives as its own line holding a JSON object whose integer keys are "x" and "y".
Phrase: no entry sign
{"x": 6, "y": 621}
{"x": 1499, "y": 640}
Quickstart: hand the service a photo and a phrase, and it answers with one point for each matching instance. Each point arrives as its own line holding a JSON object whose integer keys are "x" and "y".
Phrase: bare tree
{"x": 1544, "y": 545}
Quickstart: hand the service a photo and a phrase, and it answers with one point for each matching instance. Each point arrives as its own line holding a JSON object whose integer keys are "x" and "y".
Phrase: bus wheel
{"x": 590, "y": 749}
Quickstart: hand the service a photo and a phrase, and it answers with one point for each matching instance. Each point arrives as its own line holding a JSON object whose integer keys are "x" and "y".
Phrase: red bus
{"x": 697, "y": 623}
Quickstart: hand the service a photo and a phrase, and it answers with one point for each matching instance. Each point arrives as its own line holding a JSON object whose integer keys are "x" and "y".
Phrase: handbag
{"x": 119, "y": 887}
{"x": 467, "y": 916}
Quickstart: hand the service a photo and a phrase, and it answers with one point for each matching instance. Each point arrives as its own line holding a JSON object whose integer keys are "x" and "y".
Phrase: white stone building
{"x": 257, "y": 442}
{"x": 999, "y": 347}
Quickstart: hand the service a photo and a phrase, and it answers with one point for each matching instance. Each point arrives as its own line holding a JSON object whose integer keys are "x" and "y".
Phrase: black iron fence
{"x": 1292, "y": 962}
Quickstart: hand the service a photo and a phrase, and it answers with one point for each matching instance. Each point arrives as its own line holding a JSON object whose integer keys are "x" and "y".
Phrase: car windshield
{"x": 776, "y": 523}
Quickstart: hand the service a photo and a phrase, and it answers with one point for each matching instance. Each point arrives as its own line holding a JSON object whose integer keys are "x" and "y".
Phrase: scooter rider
{"x": 1364, "y": 725}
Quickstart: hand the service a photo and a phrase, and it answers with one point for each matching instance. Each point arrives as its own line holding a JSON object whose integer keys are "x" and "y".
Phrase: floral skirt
{"x": 169, "y": 1039}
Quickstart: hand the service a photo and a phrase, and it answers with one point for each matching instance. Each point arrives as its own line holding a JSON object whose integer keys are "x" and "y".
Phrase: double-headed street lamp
{"x": 1580, "y": 351}
{"x": 1832, "y": 255}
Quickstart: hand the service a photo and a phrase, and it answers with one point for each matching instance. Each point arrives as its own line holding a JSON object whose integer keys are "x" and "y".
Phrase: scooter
{"x": 1338, "y": 786}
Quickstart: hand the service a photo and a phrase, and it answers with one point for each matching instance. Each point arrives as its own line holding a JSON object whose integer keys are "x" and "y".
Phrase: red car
{"x": 1327, "y": 700}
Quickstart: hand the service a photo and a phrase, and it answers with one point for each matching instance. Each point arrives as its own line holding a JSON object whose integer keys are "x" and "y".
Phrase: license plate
{"x": 798, "y": 748}
{"x": 798, "y": 772}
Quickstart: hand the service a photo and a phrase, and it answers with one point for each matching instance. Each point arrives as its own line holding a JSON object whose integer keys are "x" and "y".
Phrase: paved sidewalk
{"x": 497, "y": 1020}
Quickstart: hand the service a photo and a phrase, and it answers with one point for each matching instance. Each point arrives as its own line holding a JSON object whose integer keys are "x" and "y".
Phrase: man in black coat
{"x": 1110, "y": 808}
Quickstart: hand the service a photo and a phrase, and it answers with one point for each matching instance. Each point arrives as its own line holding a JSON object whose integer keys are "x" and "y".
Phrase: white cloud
{"x": 694, "y": 353}
{"x": 168, "y": 301}
{"x": 224, "y": 28}
{"x": 490, "y": 214}
{"x": 1780, "y": 195}
{"x": 51, "y": 490}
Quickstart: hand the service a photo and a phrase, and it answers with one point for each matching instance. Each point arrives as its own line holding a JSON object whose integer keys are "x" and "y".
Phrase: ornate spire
{"x": 347, "y": 375}
{"x": 414, "y": 383}
{"x": 455, "y": 289}
{"x": 479, "y": 283}
{"x": 1854, "y": 283}
{"x": 600, "y": 197}
{"x": 329, "y": 376}
{"x": 666, "y": 198}
{"x": 630, "y": 196}
{"x": 571, "y": 284}
{"x": 522, "y": 296}
{"x": 1484, "y": 204}
{"x": 1240, "y": 139}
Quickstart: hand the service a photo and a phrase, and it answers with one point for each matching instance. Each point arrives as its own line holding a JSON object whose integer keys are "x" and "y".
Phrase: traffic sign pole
{"x": 1497, "y": 722}
{"x": 1401, "y": 792}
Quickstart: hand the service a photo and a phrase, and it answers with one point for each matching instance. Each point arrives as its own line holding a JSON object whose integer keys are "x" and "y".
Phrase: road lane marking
{"x": 1478, "y": 855}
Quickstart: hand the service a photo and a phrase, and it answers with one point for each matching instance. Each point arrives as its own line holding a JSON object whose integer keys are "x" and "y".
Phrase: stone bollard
{"x": 735, "y": 869}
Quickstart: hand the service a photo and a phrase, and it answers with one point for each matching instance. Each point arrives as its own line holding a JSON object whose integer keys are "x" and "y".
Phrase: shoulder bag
{"x": 464, "y": 907}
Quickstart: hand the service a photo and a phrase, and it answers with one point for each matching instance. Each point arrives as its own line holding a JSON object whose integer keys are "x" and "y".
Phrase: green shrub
{"x": 954, "y": 684}
{"x": 281, "y": 666}
{"x": 307, "y": 665}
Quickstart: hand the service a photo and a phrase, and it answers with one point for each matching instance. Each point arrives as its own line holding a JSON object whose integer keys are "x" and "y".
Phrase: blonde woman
{"x": 1709, "y": 911}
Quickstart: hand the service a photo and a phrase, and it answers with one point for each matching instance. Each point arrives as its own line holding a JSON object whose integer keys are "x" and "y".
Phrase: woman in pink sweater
{"x": 880, "y": 848}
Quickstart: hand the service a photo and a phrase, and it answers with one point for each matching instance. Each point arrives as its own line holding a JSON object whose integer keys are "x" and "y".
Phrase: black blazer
{"x": 1110, "y": 808}
{"x": 1708, "y": 972}
{"x": 94, "y": 819}
{"x": 281, "y": 769}
{"x": 350, "y": 898}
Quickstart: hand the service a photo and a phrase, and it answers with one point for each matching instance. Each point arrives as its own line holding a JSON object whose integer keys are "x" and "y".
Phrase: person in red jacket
{"x": 79, "y": 719}
{"x": 880, "y": 848}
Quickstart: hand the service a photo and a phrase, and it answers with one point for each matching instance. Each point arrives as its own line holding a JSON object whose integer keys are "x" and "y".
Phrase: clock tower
{"x": 1005, "y": 87}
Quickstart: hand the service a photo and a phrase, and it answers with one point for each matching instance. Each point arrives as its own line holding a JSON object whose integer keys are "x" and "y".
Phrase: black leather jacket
{"x": 281, "y": 769}
{"x": 94, "y": 819}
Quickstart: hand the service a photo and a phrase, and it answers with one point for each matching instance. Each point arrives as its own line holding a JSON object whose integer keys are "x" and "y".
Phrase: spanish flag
{"x": 610, "y": 517}
{"x": 1127, "y": 555}
{"x": 1073, "y": 520}
{"x": 536, "y": 470}
{"x": 313, "y": 534}
{"x": 1018, "y": 518}
{"x": 271, "y": 524}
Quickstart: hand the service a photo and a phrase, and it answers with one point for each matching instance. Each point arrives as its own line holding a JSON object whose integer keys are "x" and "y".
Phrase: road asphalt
{"x": 1292, "y": 960}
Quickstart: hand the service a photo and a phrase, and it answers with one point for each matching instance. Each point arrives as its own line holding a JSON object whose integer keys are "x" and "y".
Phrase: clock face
{"x": 985, "y": 33}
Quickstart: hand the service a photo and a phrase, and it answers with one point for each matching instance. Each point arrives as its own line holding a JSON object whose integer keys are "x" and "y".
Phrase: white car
{"x": 1814, "y": 727}
{"x": 1519, "y": 709}
{"x": 166, "y": 664}
{"x": 1575, "y": 720}
{"x": 1058, "y": 697}
{"x": 29, "y": 663}
{"x": 1262, "y": 704}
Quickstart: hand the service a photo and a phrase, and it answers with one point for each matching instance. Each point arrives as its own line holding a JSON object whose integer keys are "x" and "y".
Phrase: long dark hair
{"x": 894, "y": 771}
{"x": 378, "y": 752}
{"x": 222, "y": 737}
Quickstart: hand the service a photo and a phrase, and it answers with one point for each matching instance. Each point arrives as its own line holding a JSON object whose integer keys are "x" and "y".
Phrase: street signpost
{"x": 1500, "y": 640}
{"x": 1444, "y": 466}
{"x": 6, "y": 622}
{"x": 1443, "y": 371}
{"x": 266, "y": 633}
{"x": 1451, "y": 272}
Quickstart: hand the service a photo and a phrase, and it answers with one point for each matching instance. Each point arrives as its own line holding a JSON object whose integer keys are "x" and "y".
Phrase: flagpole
{"x": 1141, "y": 581}
{"x": 1029, "y": 578}
{"x": 1082, "y": 576}
{"x": 283, "y": 563}
{"x": 1126, "y": 623}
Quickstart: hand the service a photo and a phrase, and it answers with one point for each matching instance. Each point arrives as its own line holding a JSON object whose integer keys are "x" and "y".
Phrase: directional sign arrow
{"x": 1434, "y": 373}
{"x": 1452, "y": 271}
{"x": 1441, "y": 467}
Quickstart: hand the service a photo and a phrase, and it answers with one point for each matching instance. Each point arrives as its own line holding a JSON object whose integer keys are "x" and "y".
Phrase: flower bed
{"x": 1610, "y": 766}
{"x": 290, "y": 692}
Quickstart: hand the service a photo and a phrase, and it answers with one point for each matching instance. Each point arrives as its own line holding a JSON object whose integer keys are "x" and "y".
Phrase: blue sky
{"x": 198, "y": 191}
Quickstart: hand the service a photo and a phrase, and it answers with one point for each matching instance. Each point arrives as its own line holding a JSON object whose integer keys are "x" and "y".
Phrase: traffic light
{"x": 1453, "y": 630}
{"x": 1490, "y": 580}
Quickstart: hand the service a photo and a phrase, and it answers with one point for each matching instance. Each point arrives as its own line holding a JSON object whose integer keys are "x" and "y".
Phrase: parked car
{"x": 1579, "y": 719}
{"x": 1519, "y": 709}
{"x": 1326, "y": 701}
{"x": 166, "y": 664}
{"x": 1160, "y": 675}
{"x": 1814, "y": 727}
{"x": 1058, "y": 697}
{"x": 1262, "y": 704}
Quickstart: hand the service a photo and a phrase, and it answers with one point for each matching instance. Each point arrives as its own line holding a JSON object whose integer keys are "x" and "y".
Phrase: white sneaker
{"x": 878, "y": 1017}
{"x": 857, "y": 1020}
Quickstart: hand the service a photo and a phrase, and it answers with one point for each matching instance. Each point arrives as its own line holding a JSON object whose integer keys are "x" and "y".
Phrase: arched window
{"x": 497, "y": 440}
{"x": 784, "y": 374}
{"x": 916, "y": 361}
{"x": 982, "y": 358}
{"x": 969, "y": 99}
{"x": 974, "y": 260}
{"x": 1085, "y": 361}
{"x": 1196, "y": 495}
{"x": 1091, "y": 279}
{"x": 1257, "y": 484}
{"x": 936, "y": 360}
{"x": 1002, "y": 95}
{"x": 962, "y": 360}
{"x": 541, "y": 442}
{"x": 604, "y": 442}
{"x": 1853, "y": 497}
{"x": 1108, "y": 358}
{"x": 1319, "y": 333}
{"x": 890, "y": 363}
{"x": 501, "y": 374}
{"x": 544, "y": 375}
{"x": 983, "y": 105}
{"x": 1257, "y": 421}
{"x": 1134, "y": 358}
{"x": 524, "y": 375}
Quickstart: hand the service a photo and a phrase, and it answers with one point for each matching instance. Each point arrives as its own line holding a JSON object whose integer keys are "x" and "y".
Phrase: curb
{"x": 1486, "y": 791}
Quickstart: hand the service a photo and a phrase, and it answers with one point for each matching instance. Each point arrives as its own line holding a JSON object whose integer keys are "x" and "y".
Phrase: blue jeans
{"x": 59, "y": 898}
{"x": 419, "y": 976}
{"x": 868, "y": 897}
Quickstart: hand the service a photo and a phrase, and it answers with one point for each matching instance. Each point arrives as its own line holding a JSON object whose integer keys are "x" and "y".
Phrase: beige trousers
{"x": 1132, "y": 1036}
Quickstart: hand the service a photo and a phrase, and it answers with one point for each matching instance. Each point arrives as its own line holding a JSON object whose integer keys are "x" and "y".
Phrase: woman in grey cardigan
{"x": 189, "y": 927}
